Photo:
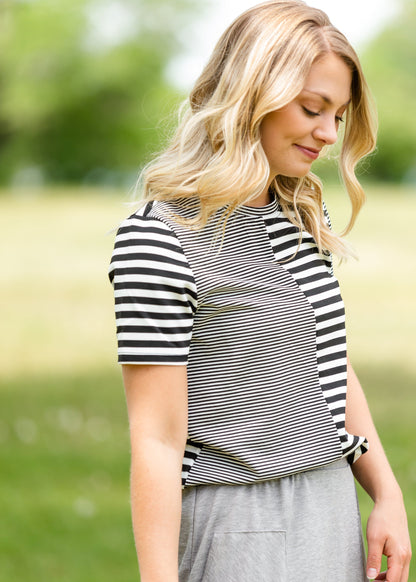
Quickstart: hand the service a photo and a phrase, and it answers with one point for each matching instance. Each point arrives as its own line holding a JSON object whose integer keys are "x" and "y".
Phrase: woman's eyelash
{"x": 315, "y": 114}
{"x": 309, "y": 112}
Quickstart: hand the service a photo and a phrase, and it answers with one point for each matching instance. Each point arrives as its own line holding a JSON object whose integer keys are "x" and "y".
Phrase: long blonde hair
{"x": 260, "y": 64}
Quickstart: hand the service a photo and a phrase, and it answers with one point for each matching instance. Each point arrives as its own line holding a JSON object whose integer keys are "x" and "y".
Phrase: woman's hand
{"x": 387, "y": 533}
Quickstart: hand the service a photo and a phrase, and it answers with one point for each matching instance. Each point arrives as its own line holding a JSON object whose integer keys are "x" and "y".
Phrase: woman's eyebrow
{"x": 325, "y": 98}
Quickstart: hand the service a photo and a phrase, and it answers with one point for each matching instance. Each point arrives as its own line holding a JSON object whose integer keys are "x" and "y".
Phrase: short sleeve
{"x": 155, "y": 293}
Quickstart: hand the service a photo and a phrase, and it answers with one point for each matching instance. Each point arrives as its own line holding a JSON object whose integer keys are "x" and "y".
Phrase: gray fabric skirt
{"x": 302, "y": 527}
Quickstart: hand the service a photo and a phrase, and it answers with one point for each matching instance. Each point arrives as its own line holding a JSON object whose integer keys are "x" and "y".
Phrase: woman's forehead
{"x": 330, "y": 78}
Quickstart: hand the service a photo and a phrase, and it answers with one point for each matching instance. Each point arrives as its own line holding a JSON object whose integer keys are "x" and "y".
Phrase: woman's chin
{"x": 296, "y": 173}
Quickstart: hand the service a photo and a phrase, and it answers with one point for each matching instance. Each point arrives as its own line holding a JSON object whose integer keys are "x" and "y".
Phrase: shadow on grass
{"x": 65, "y": 464}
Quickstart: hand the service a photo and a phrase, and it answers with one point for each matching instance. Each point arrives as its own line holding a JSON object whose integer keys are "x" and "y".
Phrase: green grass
{"x": 65, "y": 456}
{"x": 64, "y": 448}
{"x": 65, "y": 465}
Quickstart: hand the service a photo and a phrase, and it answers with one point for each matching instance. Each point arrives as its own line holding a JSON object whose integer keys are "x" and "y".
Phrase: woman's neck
{"x": 262, "y": 199}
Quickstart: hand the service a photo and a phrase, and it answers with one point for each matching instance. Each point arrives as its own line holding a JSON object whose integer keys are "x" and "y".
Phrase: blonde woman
{"x": 245, "y": 440}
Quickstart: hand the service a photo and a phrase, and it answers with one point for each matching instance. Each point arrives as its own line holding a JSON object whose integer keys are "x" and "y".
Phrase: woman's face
{"x": 293, "y": 136}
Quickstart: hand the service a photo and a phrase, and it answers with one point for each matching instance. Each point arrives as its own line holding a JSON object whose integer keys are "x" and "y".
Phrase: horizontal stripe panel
{"x": 266, "y": 339}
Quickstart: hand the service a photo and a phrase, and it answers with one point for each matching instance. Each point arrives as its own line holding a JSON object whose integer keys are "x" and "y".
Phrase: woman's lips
{"x": 311, "y": 153}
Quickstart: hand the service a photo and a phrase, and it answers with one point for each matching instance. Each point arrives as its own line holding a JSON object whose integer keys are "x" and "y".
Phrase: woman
{"x": 231, "y": 326}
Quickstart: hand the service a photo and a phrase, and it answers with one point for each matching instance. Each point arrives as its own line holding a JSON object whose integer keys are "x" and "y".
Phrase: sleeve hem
{"x": 153, "y": 363}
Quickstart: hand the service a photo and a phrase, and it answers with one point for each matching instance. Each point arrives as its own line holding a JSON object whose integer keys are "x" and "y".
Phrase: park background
{"x": 88, "y": 92}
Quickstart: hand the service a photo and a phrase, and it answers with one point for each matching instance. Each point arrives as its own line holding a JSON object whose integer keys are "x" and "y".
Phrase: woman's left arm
{"x": 387, "y": 530}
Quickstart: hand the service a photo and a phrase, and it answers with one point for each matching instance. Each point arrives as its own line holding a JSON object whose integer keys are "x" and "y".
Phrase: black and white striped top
{"x": 260, "y": 328}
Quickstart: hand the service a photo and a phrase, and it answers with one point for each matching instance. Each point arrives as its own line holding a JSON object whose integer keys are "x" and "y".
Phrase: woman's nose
{"x": 327, "y": 130}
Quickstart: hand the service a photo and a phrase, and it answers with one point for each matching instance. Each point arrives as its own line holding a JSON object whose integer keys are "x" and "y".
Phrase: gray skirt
{"x": 302, "y": 527}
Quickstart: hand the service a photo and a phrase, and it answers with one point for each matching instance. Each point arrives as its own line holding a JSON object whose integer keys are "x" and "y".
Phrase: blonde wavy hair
{"x": 260, "y": 64}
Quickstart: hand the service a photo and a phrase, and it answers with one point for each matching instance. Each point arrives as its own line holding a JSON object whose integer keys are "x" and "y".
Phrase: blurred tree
{"x": 390, "y": 66}
{"x": 83, "y": 85}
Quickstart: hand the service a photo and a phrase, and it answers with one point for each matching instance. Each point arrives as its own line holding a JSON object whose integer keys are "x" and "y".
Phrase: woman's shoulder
{"x": 142, "y": 221}
{"x": 144, "y": 237}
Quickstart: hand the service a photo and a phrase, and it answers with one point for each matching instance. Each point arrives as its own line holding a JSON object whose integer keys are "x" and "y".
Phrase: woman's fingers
{"x": 387, "y": 534}
{"x": 396, "y": 572}
{"x": 405, "y": 573}
{"x": 375, "y": 552}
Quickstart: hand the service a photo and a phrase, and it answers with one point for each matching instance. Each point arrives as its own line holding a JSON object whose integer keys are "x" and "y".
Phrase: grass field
{"x": 64, "y": 448}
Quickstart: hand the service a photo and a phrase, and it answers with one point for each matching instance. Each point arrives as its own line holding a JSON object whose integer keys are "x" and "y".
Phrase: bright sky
{"x": 359, "y": 20}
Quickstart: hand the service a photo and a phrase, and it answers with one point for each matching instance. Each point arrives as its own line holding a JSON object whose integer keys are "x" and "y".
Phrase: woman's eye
{"x": 309, "y": 112}
{"x": 338, "y": 118}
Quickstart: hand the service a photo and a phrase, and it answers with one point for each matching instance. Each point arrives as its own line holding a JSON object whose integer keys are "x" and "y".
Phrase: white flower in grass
{"x": 26, "y": 430}
{"x": 70, "y": 419}
{"x": 84, "y": 507}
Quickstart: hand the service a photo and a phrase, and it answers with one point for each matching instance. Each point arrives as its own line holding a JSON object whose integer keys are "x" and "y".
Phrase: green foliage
{"x": 77, "y": 100}
{"x": 389, "y": 66}
{"x": 86, "y": 99}
{"x": 389, "y": 63}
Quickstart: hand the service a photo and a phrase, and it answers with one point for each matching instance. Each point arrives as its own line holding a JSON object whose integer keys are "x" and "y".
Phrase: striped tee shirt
{"x": 259, "y": 321}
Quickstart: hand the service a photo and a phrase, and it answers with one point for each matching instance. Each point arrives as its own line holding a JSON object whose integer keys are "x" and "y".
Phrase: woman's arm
{"x": 387, "y": 531}
{"x": 157, "y": 409}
